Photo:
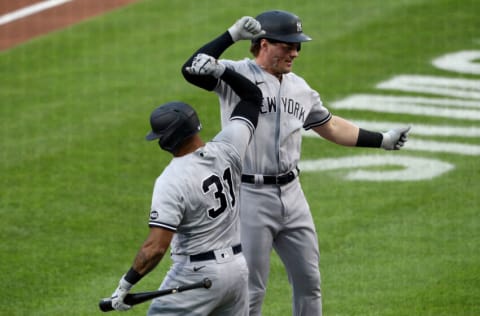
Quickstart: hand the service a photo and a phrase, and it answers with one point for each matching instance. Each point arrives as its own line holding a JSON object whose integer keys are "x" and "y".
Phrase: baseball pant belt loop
{"x": 266, "y": 179}
{"x": 210, "y": 255}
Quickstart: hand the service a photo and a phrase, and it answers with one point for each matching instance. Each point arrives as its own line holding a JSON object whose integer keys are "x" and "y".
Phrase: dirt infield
{"x": 30, "y": 26}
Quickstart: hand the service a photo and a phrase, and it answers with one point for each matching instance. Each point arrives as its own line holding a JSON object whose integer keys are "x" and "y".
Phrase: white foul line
{"x": 35, "y": 8}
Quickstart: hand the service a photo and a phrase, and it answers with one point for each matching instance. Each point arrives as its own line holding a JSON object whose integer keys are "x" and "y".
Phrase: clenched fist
{"x": 395, "y": 139}
{"x": 245, "y": 28}
{"x": 204, "y": 64}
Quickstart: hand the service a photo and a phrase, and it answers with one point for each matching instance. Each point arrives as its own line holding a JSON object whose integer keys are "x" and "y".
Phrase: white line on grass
{"x": 438, "y": 107}
{"x": 423, "y": 129}
{"x": 35, "y": 8}
{"x": 409, "y": 168}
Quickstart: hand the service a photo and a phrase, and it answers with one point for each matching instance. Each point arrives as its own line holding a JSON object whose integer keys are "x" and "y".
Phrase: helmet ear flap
{"x": 167, "y": 142}
{"x": 168, "y": 147}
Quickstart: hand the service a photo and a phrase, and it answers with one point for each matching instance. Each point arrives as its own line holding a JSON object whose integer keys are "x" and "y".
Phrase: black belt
{"x": 281, "y": 179}
{"x": 210, "y": 255}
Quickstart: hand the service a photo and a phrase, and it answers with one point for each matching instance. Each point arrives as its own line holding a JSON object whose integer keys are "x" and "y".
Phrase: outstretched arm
{"x": 245, "y": 28}
{"x": 343, "y": 132}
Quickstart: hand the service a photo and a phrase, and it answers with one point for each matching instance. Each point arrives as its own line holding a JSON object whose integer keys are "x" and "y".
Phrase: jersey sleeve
{"x": 167, "y": 207}
{"x": 318, "y": 115}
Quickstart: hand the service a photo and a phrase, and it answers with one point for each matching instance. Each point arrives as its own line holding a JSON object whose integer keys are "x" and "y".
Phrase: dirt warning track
{"x": 22, "y": 20}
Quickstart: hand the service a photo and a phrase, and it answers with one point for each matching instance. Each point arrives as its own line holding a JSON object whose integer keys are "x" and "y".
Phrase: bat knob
{"x": 105, "y": 305}
{"x": 207, "y": 283}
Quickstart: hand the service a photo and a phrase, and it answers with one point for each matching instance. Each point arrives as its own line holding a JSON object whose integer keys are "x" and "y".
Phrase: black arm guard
{"x": 214, "y": 48}
{"x": 250, "y": 95}
{"x": 369, "y": 139}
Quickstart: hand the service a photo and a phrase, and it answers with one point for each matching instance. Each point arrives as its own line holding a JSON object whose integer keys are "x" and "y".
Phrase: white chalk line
{"x": 32, "y": 9}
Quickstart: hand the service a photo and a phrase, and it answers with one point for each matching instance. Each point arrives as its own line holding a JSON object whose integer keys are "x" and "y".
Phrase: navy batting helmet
{"x": 281, "y": 26}
{"x": 172, "y": 123}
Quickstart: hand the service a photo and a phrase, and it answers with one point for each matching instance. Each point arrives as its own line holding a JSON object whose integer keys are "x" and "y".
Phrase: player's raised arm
{"x": 243, "y": 29}
{"x": 250, "y": 95}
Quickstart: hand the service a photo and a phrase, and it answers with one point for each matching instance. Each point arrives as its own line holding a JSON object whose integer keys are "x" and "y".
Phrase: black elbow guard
{"x": 248, "y": 110}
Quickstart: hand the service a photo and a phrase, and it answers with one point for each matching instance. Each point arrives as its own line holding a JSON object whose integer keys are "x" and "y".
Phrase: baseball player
{"x": 273, "y": 210}
{"x": 195, "y": 205}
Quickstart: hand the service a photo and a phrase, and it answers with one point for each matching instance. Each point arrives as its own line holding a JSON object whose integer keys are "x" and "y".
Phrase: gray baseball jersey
{"x": 278, "y": 216}
{"x": 288, "y": 106}
{"x": 196, "y": 196}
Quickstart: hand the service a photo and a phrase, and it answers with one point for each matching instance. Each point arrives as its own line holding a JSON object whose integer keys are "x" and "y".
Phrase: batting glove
{"x": 245, "y": 28}
{"x": 204, "y": 64}
{"x": 395, "y": 139}
{"x": 119, "y": 295}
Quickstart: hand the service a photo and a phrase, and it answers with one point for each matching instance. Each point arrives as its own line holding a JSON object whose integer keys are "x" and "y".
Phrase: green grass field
{"x": 77, "y": 176}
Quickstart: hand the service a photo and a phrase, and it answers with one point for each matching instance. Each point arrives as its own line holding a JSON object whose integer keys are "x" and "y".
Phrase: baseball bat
{"x": 137, "y": 298}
